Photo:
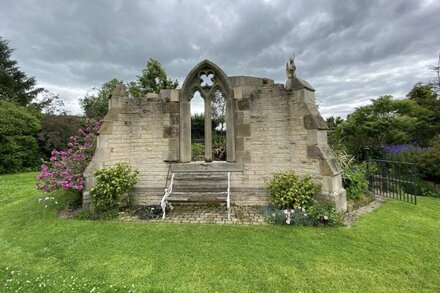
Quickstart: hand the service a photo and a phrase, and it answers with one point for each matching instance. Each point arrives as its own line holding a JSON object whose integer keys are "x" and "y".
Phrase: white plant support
{"x": 228, "y": 198}
{"x": 168, "y": 190}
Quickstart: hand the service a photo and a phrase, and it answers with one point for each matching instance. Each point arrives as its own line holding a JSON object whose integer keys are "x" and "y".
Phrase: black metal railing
{"x": 392, "y": 178}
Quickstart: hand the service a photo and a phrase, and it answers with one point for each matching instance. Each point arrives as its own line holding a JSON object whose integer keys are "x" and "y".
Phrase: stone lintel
{"x": 206, "y": 167}
{"x": 315, "y": 121}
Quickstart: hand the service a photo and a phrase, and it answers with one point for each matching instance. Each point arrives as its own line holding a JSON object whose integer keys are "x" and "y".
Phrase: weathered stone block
{"x": 243, "y": 130}
{"x": 170, "y": 156}
{"x": 169, "y": 95}
{"x": 106, "y": 128}
{"x": 239, "y": 143}
{"x": 170, "y": 107}
{"x": 170, "y": 132}
{"x": 152, "y": 96}
{"x": 243, "y": 105}
{"x": 243, "y": 157}
{"x": 315, "y": 121}
{"x": 173, "y": 144}
{"x": 174, "y": 118}
{"x": 239, "y": 117}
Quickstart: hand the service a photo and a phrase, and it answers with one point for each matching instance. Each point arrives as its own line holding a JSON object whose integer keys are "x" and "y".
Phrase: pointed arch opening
{"x": 213, "y": 85}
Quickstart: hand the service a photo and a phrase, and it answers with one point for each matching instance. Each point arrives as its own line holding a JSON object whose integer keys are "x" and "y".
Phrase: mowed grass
{"x": 395, "y": 248}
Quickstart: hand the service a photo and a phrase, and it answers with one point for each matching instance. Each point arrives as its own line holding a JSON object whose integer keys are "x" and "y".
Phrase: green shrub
{"x": 354, "y": 175}
{"x": 18, "y": 144}
{"x": 318, "y": 214}
{"x": 290, "y": 191}
{"x": 426, "y": 189}
{"x": 197, "y": 150}
{"x": 324, "y": 213}
{"x": 111, "y": 183}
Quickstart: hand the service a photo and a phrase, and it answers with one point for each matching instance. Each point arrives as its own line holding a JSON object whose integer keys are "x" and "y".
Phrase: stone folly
{"x": 270, "y": 127}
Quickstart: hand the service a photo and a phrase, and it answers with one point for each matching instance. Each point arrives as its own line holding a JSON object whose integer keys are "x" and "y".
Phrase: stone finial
{"x": 119, "y": 90}
{"x": 291, "y": 69}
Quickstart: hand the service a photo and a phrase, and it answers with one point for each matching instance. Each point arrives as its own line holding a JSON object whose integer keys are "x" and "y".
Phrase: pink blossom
{"x": 65, "y": 168}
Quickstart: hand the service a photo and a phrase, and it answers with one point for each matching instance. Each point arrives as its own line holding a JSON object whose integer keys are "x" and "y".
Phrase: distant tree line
{"x": 410, "y": 125}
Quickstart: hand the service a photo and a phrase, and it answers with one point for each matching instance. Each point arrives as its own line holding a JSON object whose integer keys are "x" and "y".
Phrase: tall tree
{"x": 152, "y": 80}
{"x": 429, "y": 119}
{"x": 15, "y": 86}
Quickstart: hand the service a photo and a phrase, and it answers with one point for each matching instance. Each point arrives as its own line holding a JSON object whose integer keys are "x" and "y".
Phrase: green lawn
{"x": 395, "y": 248}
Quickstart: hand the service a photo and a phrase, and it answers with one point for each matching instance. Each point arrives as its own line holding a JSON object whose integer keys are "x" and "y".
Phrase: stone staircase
{"x": 199, "y": 187}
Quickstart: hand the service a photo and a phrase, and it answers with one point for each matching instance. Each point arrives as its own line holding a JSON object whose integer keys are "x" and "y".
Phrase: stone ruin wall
{"x": 275, "y": 130}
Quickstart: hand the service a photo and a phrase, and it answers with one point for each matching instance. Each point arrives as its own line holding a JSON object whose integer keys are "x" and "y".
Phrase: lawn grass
{"x": 395, "y": 248}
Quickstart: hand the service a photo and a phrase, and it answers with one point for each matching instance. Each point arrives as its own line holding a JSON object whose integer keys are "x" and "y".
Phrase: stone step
{"x": 200, "y": 188}
{"x": 200, "y": 176}
{"x": 198, "y": 197}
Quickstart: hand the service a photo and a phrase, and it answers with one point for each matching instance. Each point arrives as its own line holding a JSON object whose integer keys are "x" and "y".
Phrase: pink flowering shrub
{"x": 65, "y": 168}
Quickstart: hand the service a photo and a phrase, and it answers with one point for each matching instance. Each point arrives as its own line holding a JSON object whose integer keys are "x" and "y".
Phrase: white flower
{"x": 303, "y": 210}
{"x": 288, "y": 221}
{"x": 325, "y": 218}
{"x": 45, "y": 206}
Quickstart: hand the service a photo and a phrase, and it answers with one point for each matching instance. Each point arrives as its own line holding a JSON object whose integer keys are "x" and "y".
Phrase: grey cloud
{"x": 351, "y": 51}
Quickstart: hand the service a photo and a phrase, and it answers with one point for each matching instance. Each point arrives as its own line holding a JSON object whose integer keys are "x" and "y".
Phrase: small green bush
{"x": 354, "y": 175}
{"x": 111, "y": 183}
{"x": 320, "y": 213}
{"x": 198, "y": 150}
{"x": 324, "y": 213}
{"x": 426, "y": 189}
{"x": 290, "y": 191}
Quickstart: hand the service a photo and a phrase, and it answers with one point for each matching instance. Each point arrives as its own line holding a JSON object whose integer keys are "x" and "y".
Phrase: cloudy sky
{"x": 350, "y": 51}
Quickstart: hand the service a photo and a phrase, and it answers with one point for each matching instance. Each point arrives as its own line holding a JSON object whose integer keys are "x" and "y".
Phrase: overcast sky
{"x": 350, "y": 51}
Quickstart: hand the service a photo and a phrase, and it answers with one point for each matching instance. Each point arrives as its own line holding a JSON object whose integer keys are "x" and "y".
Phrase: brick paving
{"x": 215, "y": 214}
{"x": 208, "y": 214}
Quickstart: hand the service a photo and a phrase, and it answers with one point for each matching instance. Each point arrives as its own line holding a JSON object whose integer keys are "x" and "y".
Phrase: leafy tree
{"x": 198, "y": 126}
{"x": 15, "y": 86}
{"x": 428, "y": 124}
{"x": 56, "y": 131}
{"x": 385, "y": 121}
{"x": 152, "y": 80}
{"x": 96, "y": 106}
{"x": 18, "y": 143}
{"x": 333, "y": 123}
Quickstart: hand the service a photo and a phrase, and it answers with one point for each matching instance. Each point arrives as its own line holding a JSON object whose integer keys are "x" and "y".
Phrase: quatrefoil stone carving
{"x": 206, "y": 79}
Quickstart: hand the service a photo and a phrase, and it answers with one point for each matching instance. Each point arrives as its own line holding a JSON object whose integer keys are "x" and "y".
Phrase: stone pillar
{"x": 185, "y": 132}
{"x": 230, "y": 129}
{"x": 208, "y": 129}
